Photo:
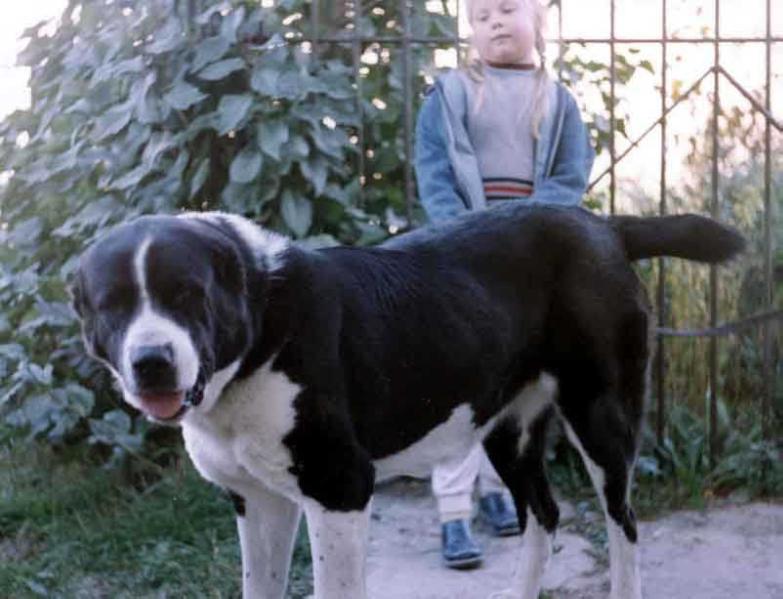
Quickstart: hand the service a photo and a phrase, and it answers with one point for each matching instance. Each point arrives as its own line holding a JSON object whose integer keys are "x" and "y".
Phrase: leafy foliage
{"x": 143, "y": 107}
{"x": 132, "y": 114}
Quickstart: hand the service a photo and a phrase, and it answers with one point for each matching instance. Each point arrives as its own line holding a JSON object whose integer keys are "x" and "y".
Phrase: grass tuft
{"x": 71, "y": 529}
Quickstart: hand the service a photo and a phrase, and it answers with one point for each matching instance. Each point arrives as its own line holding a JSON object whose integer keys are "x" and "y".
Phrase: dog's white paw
{"x": 505, "y": 594}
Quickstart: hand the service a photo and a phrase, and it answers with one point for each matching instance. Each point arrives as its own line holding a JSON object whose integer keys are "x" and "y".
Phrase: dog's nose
{"x": 153, "y": 366}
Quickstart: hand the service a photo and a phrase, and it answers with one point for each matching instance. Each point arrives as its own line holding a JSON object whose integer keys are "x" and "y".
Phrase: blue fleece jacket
{"x": 447, "y": 170}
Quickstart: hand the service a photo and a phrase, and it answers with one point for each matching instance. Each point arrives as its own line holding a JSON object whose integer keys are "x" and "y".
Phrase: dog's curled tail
{"x": 686, "y": 236}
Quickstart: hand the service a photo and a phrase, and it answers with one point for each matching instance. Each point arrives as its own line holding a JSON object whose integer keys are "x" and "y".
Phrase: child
{"x": 499, "y": 130}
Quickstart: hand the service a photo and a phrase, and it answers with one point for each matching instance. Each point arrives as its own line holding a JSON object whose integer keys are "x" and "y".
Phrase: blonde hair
{"x": 474, "y": 66}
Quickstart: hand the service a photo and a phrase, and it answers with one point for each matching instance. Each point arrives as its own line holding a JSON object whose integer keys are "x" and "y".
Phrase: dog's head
{"x": 163, "y": 303}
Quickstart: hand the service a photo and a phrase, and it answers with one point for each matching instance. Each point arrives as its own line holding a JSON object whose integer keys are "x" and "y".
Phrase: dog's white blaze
{"x": 265, "y": 244}
{"x": 623, "y": 559}
{"x": 149, "y": 327}
{"x": 241, "y": 444}
{"x": 338, "y": 544}
{"x": 448, "y": 442}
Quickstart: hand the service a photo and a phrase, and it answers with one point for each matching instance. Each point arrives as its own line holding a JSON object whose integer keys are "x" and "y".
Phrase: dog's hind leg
{"x": 607, "y": 444}
{"x": 267, "y": 524}
{"x": 516, "y": 449}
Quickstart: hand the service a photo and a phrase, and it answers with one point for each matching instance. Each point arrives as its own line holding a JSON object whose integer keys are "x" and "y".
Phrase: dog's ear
{"x": 230, "y": 269}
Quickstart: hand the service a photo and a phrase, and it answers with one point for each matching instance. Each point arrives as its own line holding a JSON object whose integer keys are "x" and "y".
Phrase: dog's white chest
{"x": 239, "y": 442}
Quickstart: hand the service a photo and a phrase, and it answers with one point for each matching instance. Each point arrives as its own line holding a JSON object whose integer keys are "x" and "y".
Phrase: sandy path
{"x": 727, "y": 553}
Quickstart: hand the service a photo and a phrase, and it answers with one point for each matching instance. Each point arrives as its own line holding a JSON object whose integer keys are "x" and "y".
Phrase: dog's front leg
{"x": 336, "y": 478}
{"x": 267, "y": 524}
{"x": 338, "y": 543}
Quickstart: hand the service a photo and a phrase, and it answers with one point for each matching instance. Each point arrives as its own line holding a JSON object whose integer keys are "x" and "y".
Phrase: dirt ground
{"x": 733, "y": 552}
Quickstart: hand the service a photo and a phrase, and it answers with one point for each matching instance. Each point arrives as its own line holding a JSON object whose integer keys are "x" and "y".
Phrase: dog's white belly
{"x": 448, "y": 442}
{"x": 239, "y": 443}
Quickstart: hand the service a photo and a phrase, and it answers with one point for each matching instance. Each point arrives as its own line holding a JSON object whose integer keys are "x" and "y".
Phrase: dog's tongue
{"x": 164, "y": 406}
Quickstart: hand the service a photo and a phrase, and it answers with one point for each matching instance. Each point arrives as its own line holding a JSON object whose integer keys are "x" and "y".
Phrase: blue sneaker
{"x": 460, "y": 551}
{"x": 499, "y": 514}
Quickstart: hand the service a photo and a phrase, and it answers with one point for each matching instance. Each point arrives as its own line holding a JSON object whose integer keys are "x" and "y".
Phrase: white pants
{"x": 453, "y": 482}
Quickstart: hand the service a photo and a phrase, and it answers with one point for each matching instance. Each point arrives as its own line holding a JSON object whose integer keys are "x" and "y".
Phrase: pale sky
{"x": 634, "y": 18}
{"x": 16, "y": 17}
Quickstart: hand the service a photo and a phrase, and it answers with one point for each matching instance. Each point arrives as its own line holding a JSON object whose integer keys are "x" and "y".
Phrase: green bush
{"x": 141, "y": 107}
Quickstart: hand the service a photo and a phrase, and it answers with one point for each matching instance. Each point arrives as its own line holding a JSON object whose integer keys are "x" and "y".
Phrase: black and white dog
{"x": 301, "y": 377}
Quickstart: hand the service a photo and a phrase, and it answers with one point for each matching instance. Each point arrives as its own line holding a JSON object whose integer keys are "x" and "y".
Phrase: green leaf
{"x": 291, "y": 86}
{"x": 11, "y": 351}
{"x": 314, "y": 170}
{"x": 271, "y": 137}
{"x": 232, "y": 110}
{"x": 297, "y": 213}
{"x": 115, "y": 429}
{"x": 114, "y": 70}
{"x": 209, "y": 50}
{"x": 131, "y": 178}
{"x": 183, "y": 95}
{"x": 167, "y": 37}
{"x": 330, "y": 141}
{"x": 230, "y": 24}
{"x": 298, "y": 147}
{"x": 159, "y": 143}
{"x": 95, "y": 213}
{"x": 112, "y": 121}
{"x": 42, "y": 376}
{"x": 144, "y": 97}
{"x": 222, "y": 69}
{"x": 80, "y": 399}
{"x": 264, "y": 81}
{"x": 246, "y": 165}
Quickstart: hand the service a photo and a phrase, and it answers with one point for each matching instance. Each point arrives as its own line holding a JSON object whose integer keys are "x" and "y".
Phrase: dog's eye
{"x": 116, "y": 300}
{"x": 187, "y": 298}
{"x": 184, "y": 298}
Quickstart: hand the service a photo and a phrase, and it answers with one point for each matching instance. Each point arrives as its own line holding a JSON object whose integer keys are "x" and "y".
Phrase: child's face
{"x": 503, "y": 30}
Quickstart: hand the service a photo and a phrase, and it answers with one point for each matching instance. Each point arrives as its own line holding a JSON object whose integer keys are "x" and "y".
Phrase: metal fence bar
{"x": 612, "y": 101}
{"x": 457, "y": 41}
{"x": 560, "y": 44}
{"x": 713, "y": 346}
{"x": 649, "y": 129}
{"x": 439, "y": 40}
{"x": 669, "y": 40}
{"x": 356, "y": 57}
{"x": 766, "y": 405}
{"x": 407, "y": 85}
{"x": 315, "y": 17}
{"x": 766, "y": 112}
{"x": 660, "y": 356}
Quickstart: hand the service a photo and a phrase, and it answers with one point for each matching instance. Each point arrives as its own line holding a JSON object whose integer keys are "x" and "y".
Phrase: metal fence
{"x": 770, "y": 317}
{"x": 718, "y": 75}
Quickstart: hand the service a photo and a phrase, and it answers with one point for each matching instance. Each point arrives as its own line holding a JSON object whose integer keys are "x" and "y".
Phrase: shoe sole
{"x": 467, "y": 563}
{"x": 507, "y": 532}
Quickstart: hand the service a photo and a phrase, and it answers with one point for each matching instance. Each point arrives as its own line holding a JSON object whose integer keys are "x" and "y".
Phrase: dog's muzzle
{"x": 193, "y": 397}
